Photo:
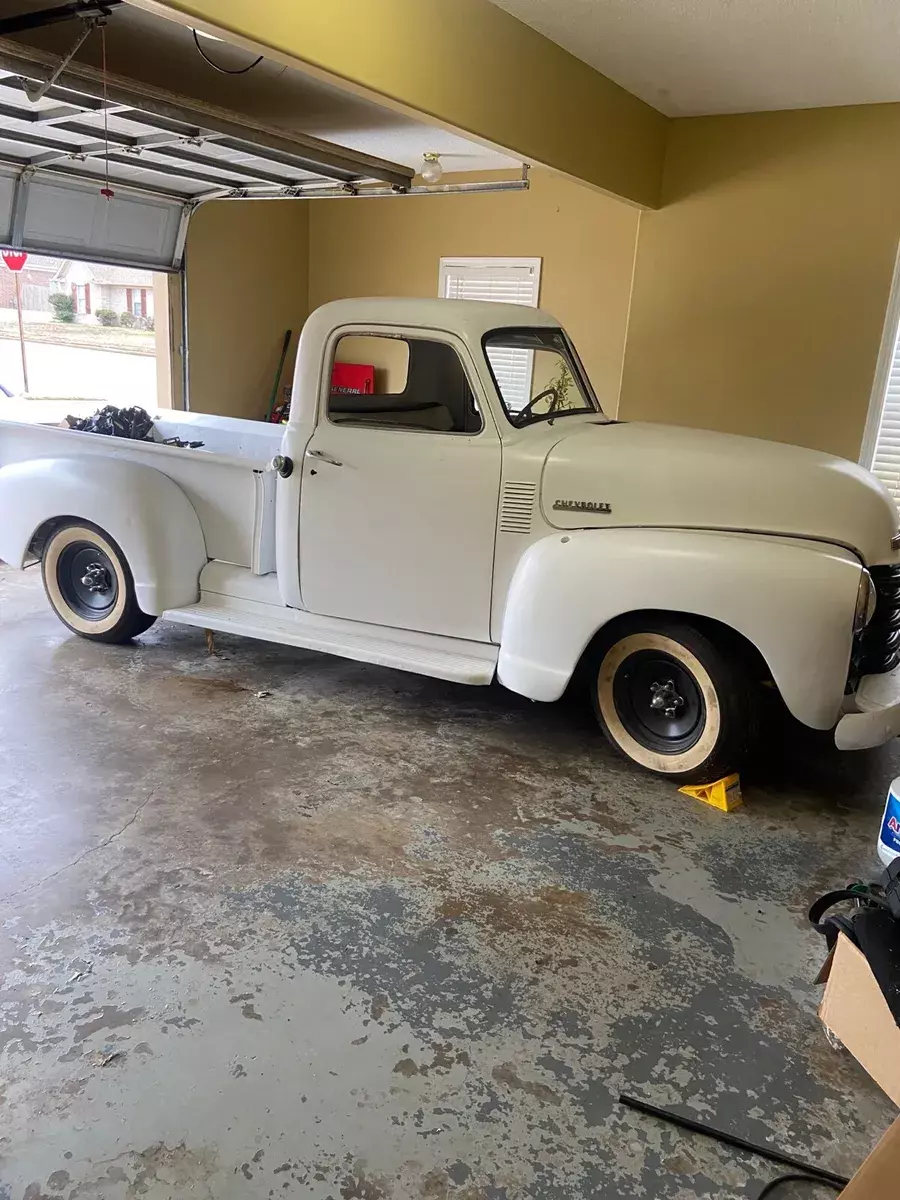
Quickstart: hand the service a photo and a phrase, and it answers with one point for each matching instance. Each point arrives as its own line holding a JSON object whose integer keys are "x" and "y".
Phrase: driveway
{"x": 77, "y": 371}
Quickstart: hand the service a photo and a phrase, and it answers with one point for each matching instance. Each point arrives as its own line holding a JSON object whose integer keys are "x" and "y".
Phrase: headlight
{"x": 866, "y": 598}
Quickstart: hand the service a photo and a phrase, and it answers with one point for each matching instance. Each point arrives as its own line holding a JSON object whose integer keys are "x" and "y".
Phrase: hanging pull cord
{"x": 107, "y": 190}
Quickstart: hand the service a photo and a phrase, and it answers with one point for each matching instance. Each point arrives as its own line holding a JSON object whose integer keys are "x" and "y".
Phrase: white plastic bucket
{"x": 889, "y": 837}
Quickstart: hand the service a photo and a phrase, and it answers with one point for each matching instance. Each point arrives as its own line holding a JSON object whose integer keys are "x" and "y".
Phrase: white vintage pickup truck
{"x": 473, "y": 515}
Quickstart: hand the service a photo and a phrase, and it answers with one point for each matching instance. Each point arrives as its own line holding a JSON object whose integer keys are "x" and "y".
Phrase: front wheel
{"x": 672, "y": 701}
{"x": 89, "y": 585}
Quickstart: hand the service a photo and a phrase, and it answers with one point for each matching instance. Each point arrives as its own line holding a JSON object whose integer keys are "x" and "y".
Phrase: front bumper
{"x": 877, "y": 720}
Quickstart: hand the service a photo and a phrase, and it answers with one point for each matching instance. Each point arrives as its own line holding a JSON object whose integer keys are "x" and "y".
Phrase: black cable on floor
{"x": 809, "y": 1170}
{"x": 776, "y": 1183}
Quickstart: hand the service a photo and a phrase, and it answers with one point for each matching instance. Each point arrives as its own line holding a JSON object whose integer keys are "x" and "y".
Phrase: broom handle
{"x": 274, "y": 397}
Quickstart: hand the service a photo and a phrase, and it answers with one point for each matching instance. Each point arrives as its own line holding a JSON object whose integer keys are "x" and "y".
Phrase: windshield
{"x": 538, "y": 375}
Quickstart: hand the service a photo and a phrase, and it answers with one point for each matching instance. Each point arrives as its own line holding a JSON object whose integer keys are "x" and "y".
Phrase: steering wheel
{"x": 525, "y": 412}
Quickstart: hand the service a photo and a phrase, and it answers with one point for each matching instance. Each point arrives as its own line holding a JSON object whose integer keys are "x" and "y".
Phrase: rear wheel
{"x": 89, "y": 585}
{"x": 673, "y": 701}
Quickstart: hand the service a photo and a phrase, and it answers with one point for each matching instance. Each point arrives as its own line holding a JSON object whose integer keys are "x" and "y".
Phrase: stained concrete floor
{"x": 380, "y": 937}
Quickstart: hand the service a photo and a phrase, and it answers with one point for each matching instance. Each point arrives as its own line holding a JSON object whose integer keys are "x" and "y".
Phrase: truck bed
{"x": 225, "y": 479}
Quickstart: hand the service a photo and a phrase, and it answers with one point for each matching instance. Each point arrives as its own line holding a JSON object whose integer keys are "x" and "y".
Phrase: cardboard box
{"x": 879, "y": 1176}
{"x": 856, "y": 1012}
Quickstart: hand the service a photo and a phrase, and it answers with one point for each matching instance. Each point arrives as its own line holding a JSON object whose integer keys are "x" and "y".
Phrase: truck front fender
{"x": 794, "y": 600}
{"x": 144, "y": 511}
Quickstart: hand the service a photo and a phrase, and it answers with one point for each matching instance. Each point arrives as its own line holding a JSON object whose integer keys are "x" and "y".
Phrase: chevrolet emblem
{"x": 597, "y": 506}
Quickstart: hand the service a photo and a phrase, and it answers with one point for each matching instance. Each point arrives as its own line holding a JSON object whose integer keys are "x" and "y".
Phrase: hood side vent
{"x": 517, "y": 507}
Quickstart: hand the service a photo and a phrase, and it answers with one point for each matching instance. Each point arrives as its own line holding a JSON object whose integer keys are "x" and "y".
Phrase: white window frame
{"x": 888, "y": 359}
{"x": 493, "y": 267}
{"x": 461, "y": 263}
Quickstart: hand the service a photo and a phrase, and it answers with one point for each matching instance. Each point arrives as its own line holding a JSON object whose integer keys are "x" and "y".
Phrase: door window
{"x": 401, "y": 383}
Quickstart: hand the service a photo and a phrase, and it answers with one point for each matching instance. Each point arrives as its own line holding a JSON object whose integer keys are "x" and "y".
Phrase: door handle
{"x": 323, "y": 456}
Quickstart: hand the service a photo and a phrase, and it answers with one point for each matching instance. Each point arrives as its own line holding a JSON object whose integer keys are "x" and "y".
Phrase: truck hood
{"x": 605, "y": 476}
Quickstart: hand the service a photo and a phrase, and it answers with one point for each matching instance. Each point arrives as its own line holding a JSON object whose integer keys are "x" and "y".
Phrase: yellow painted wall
{"x": 761, "y": 285}
{"x": 389, "y": 357}
{"x": 393, "y": 247}
{"x": 247, "y": 283}
{"x": 759, "y": 292}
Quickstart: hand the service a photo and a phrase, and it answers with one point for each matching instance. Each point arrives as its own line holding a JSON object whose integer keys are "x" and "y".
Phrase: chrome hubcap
{"x": 665, "y": 698}
{"x": 97, "y": 578}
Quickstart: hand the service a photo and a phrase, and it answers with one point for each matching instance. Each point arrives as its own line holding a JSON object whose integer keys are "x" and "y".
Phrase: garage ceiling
{"x": 689, "y": 57}
{"x": 150, "y": 49}
{"x": 163, "y": 155}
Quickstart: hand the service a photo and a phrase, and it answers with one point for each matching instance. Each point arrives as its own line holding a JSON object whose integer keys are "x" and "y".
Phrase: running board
{"x": 422, "y": 653}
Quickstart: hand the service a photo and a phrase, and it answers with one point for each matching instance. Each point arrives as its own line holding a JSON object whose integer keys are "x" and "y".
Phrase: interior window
{"x": 403, "y": 383}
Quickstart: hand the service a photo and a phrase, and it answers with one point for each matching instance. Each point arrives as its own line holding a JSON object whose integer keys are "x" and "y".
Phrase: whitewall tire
{"x": 673, "y": 701}
{"x": 89, "y": 584}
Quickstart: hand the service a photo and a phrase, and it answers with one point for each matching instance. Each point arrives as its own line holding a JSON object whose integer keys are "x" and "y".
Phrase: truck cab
{"x": 474, "y": 515}
{"x": 422, "y": 522}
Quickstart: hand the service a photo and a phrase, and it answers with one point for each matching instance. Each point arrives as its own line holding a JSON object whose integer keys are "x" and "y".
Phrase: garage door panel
{"x": 141, "y": 229}
{"x": 160, "y": 154}
{"x": 74, "y": 220}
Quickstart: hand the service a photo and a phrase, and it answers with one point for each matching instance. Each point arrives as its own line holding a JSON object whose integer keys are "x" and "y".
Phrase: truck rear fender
{"x": 144, "y": 511}
{"x": 793, "y": 600}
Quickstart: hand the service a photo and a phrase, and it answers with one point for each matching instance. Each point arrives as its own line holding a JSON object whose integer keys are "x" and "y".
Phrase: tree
{"x": 63, "y": 307}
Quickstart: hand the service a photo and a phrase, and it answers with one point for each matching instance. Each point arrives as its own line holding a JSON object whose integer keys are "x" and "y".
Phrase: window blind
{"x": 886, "y": 460}
{"x": 506, "y": 281}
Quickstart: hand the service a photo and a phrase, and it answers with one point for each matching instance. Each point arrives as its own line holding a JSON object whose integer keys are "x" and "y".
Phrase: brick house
{"x": 96, "y": 285}
{"x": 34, "y": 281}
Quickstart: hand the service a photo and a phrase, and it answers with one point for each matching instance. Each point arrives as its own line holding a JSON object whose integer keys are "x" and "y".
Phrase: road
{"x": 78, "y": 371}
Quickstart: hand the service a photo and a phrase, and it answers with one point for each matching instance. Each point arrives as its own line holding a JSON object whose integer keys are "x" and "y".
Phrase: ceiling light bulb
{"x": 431, "y": 168}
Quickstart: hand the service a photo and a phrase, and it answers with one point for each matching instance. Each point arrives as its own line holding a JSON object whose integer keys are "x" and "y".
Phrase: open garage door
{"x": 102, "y": 169}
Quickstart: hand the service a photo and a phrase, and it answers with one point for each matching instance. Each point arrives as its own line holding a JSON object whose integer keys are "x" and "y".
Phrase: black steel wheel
{"x": 89, "y": 585}
{"x": 673, "y": 701}
{"x": 659, "y": 701}
{"x": 87, "y": 580}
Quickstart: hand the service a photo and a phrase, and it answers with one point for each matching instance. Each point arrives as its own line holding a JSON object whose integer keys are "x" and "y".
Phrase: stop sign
{"x": 14, "y": 259}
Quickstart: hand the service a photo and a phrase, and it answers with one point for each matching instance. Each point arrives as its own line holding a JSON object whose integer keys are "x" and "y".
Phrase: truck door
{"x": 400, "y": 489}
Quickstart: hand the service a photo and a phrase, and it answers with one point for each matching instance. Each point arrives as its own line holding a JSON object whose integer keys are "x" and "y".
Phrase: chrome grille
{"x": 876, "y": 649}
